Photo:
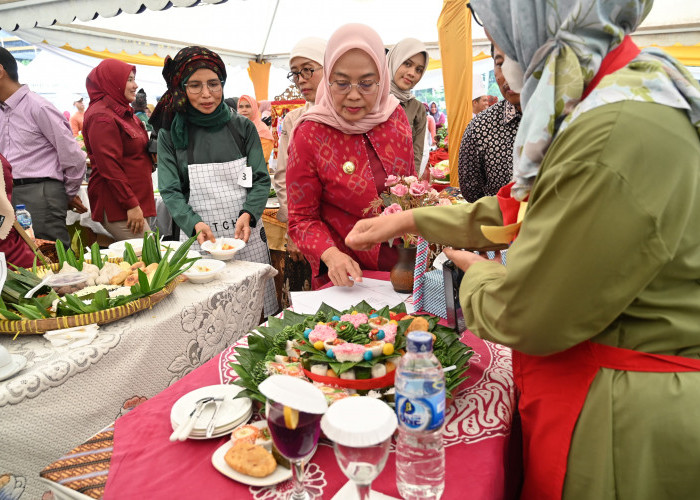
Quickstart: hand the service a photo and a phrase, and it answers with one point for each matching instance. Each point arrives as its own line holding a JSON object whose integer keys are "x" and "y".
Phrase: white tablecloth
{"x": 64, "y": 394}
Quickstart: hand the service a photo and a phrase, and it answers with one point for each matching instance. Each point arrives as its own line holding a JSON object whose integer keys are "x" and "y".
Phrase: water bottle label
{"x": 423, "y": 413}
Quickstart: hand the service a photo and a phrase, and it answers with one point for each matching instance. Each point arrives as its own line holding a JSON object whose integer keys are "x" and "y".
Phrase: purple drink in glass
{"x": 295, "y": 443}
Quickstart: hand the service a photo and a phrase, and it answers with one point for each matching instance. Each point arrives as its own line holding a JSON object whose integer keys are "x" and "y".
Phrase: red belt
{"x": 553, "y": 390}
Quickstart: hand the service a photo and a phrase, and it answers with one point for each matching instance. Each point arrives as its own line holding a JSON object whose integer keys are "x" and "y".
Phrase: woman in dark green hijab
{"x": 211, "y": 169}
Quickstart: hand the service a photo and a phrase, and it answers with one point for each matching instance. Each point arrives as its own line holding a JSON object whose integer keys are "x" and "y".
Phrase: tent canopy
{"x": 265, "y": 30}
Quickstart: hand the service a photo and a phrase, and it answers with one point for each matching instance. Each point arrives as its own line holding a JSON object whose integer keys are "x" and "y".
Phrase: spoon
{"x": 31, "y": 292}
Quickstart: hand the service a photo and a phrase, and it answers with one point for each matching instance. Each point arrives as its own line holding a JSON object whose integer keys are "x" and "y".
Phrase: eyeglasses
{"x": 214, "y": 87}
{"x": 293, "y": 76}
{"x": 364, "y": 87}
{"x": 477, "y": 19}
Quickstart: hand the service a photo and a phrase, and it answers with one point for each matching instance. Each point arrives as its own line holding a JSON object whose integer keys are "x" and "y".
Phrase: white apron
{"x": 217, "y": 197}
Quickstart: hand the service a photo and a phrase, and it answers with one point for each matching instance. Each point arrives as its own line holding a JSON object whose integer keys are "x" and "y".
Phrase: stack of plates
{"x": 233, "y": 412}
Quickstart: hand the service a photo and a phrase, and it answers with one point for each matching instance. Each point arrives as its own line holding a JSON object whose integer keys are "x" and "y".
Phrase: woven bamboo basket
{"x": 40, "y": 326}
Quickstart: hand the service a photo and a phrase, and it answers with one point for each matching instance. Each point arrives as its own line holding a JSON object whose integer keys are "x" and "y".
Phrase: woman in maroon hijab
{"x": 16, "y": 250}
{"x": 120, "y": 188}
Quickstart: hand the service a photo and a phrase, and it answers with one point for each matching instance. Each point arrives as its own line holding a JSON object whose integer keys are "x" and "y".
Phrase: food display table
{"x": 66, "y": 393}
{"x": 135, "y": 459}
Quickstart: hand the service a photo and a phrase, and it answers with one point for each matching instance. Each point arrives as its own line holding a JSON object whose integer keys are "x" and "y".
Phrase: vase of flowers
{"x": 406, "y": 193}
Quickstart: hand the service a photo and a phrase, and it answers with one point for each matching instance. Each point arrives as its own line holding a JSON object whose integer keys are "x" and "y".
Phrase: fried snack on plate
{"x": 418, "y": 324}
{"x": 250, "y": 459}
{"x": 245, "y": 434}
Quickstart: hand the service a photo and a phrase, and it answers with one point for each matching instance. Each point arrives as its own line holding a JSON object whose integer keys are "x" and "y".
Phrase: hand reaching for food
{"x": 205, "y": 233}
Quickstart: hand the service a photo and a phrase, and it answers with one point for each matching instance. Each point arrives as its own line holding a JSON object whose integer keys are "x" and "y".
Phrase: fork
{"x": 188, "y": 424}
{"x": 212, "y": 421}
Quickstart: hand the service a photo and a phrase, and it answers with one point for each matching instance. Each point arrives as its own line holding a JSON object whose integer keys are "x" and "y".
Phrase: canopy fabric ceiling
{"x": 239, "y": 30}
{"x": 265, "y": 30}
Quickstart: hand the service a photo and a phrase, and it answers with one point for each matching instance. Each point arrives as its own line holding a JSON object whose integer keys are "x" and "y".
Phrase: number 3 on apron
{"x": 217, "y": 194}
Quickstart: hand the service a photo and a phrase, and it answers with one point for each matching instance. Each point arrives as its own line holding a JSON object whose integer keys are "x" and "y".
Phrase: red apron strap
{"x": 625, "y": 359}
{"x": 553, "y": 391}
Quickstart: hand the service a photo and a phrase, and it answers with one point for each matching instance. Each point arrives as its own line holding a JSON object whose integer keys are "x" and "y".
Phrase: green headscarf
{"x": 211, "y": 122}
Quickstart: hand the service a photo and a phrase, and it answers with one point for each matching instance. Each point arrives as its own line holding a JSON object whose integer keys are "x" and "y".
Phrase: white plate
{"x": 272, "y": 203}
{"x": 217, "y": 459}
{"x": 18, "y": 362}
{"x": 119, "y": 246}
{"x": 218, "y": 431}
{"x": 164, "y": 245}
{"x": 196, "y": 276}
{"x": 215, "y": 248}
{"x": 231, "y": 409}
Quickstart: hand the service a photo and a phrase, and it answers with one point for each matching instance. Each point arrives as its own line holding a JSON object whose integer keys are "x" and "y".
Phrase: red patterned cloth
{"x": 437, "y": 156}
{"x": 325, "y": 201}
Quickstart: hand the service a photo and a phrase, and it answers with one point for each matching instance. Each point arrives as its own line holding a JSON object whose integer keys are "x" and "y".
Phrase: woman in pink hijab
{"x": 248, "y": 107}
{"x": 342, "y": 152}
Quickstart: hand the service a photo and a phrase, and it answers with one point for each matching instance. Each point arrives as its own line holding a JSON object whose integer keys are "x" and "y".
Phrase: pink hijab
{"x": 263, "y": 130}
{"x": 348, "y": 37}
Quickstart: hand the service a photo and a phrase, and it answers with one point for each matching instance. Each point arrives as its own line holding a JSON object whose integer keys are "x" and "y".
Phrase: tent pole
{"x": 269, "y": 30}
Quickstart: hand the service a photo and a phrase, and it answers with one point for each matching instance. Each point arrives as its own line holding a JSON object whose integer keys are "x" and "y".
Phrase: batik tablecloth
{"x": 65, "y": 394}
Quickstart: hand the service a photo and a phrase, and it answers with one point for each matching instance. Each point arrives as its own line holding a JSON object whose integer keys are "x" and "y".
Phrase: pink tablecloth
{"x": 477, "y": 437}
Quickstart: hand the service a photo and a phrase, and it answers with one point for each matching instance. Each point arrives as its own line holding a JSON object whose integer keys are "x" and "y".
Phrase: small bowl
{"x": 119, "y": 246}
{"x": 216, "y": 250}
{"x": 65, "y": 283}
{"x": 204, "y": 270}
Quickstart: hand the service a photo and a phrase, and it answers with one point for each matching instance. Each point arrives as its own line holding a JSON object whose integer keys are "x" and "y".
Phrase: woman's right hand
{"x": 134, "y": 220}
{"x": 340, "y": 265}
{"x": 369, "y": 232}
{"x": 205, "y": 233}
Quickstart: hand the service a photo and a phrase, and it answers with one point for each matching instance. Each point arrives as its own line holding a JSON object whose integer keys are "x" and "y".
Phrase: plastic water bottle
{"x": 25, "y": 219}
{"x": 420, "y": 408}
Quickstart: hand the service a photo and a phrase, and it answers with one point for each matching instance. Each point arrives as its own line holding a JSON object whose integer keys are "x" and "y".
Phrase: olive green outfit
{"x": 210, "y": 147}
{"x": 417, "y": 119}
{"x": 609, "y": 250}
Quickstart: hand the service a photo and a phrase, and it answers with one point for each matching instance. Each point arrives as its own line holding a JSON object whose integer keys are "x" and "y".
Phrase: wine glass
{"x": 293, "y": 409}
{"x": 361, "y": 430}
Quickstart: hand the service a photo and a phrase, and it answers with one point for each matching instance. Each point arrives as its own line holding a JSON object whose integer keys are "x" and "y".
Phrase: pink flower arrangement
{"x": 406, "y": 193}
{"x": 394, "y": 208}
{"x": 392, "y": 180}
{"x": 419, "y": 188}
{"x": 399, "y": 190}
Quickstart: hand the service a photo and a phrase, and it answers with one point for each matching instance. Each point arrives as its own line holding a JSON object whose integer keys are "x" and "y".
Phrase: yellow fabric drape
{"x": 139, "y": 58}
{"x": 455, "y": 38}
{"x": 259, "y": 74}
{"x": 687, "y": 55}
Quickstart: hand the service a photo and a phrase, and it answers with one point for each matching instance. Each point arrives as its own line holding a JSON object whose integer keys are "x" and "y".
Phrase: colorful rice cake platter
{"x": 349, "y": 352}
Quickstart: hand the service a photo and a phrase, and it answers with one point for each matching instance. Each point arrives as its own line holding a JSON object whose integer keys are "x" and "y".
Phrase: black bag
{"x": 152, "y": 150}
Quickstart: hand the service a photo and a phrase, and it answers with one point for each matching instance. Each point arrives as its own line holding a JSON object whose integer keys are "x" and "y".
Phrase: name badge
{"x": 245, "y": 177}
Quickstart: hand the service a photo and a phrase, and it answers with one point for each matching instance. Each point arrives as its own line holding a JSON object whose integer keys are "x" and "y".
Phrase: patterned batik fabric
{"x": 85, "y": 468}
{"x": 330, "y": 183}
{"x": 486, "y": 152}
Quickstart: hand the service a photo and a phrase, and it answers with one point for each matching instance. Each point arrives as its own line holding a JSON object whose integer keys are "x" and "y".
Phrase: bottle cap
{"x": 19, "y": 207}
{"x": 418, "y": 341}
